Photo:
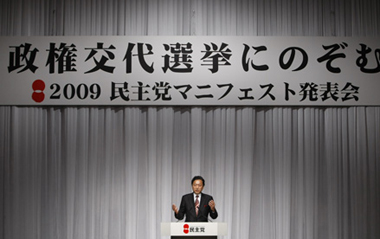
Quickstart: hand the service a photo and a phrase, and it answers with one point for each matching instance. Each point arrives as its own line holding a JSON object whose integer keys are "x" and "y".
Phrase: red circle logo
{"x": 186, "y": 228}
{"x": 38, "y": 87}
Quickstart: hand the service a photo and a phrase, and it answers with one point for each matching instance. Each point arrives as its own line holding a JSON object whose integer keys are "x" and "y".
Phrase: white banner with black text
{"x": 190, "y": 70}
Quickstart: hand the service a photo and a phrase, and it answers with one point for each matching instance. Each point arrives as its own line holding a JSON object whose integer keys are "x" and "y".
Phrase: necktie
{"x": 196, "y": 205}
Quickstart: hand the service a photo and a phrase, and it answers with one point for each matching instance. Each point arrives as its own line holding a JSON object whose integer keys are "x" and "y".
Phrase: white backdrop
{"x": 113, "y": 172}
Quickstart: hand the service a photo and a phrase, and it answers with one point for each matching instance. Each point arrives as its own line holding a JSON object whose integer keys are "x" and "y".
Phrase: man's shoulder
{"x": 206, "y": 195}
{"x": 189, "y": 195}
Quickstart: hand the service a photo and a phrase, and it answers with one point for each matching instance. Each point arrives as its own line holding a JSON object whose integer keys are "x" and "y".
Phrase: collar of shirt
{"x": 199, "y": 198}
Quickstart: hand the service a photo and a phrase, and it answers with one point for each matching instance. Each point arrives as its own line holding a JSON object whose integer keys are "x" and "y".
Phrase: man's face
{"x": 197, "y": 186}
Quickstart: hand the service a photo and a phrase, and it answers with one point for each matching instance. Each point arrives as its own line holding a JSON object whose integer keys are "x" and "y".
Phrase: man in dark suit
{"x": 197, "y": 205}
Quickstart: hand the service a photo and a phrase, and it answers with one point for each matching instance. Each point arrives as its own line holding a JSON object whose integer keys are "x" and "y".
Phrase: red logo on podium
{"x": 186, "y": 228}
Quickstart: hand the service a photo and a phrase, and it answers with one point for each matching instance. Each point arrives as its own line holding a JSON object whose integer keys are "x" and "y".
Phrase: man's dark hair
{"x": 198, "y": 178}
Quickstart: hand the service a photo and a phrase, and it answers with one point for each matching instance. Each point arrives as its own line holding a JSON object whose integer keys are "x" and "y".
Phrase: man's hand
{"x": 175, "y": 209}
{"x": 211, "y": 203}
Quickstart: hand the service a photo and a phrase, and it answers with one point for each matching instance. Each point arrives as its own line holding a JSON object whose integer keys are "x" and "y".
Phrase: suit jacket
{"x": 188, "y": 208}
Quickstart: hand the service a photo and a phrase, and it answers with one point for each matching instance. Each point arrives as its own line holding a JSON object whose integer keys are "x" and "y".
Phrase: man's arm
{"x": 213, "y": 213}
{"x": 175, "y": 209}
{"x": 179, "y": 214}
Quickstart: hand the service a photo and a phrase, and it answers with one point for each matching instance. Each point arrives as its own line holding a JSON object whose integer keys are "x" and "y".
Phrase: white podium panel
{"x": 193, "y": 229}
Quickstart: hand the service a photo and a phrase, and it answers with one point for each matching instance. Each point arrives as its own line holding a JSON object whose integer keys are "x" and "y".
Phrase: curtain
{"x": 113, "y": 172}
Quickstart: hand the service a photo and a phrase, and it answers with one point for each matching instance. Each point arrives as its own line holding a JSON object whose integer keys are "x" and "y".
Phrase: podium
{"x": 193, "y": 230}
